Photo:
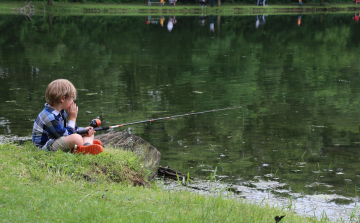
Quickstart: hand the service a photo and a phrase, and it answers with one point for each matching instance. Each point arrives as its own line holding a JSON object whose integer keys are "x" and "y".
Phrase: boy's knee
{"x": 74, "y": 139}
{"x": 78, "y": 139}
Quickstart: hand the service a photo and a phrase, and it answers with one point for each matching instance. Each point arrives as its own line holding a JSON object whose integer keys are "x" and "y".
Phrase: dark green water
{"x": 299, "y": 88}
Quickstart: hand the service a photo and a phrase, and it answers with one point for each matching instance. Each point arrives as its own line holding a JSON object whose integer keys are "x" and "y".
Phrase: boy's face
{"x": 67, "y": 102}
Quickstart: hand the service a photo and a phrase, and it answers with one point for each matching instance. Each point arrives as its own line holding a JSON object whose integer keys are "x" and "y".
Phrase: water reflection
{"x": 212, "y": 28}
{"x": 260, "y": 20}
{"x": 202, "y": 20}
{"x": 299, "y": 20}
{"x": 172, "y": 20}
{"x": 155, "y": 20}
{"x": 356, "y": 17}
{"x": 298, "y": 88}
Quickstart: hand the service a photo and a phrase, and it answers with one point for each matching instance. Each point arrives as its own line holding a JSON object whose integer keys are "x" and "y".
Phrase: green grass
{"x": 38, "y": 186}
{"x": 114, "y": 165}
{"x": 94, "y": 9}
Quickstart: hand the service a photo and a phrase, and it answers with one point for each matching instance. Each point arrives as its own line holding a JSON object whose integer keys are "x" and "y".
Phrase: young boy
{"x": 50, "y": 130}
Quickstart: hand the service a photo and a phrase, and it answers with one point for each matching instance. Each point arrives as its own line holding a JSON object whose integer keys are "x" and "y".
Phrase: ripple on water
{"x": 334, "y": 206}
{"x": 14, "y": 138}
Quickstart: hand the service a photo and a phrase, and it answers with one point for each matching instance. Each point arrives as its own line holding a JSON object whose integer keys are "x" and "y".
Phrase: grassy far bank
{"x": 47, "y": 186}
{"x": 144, "y": 9}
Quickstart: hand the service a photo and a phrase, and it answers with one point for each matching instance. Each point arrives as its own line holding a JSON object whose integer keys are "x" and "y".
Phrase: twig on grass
{"x": 84, "y": 197}
{"x": 103, "y": 198}
{"x": 6, "y": 188}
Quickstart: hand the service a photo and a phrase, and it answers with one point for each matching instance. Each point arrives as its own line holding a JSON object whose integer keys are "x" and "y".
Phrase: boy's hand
{"x": 72, "y": 112}
{"x": 90, "y": 132}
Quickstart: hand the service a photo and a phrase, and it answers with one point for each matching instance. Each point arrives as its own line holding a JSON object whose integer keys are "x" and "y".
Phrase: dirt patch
{"x": 150, "y": 156}
{"x": 115, "y": 175}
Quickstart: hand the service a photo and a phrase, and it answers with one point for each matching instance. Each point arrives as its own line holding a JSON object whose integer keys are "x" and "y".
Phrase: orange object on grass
{"x": 97, "y": 142}
{"x": 90, "y": 149}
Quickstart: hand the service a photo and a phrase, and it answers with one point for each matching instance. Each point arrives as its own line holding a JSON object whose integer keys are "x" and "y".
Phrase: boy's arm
{"x": 72, "y": 113}
{"x": 71, "y": 127}
{"x": 56, "y": 129}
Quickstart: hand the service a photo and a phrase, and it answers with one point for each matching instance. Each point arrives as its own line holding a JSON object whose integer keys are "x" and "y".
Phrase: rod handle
{"x": 84, "y": 131}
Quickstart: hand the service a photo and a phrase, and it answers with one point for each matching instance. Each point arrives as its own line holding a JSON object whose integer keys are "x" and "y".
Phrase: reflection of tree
{"x": 50, "y": 22}
{"x": 100, "y": 45}
{"x": 28, "y": 10}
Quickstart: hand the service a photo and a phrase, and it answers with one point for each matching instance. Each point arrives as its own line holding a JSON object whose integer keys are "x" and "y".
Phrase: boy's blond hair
{"x": 59, "y": 88}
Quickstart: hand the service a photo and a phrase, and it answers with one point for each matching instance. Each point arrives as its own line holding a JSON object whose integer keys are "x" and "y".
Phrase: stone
{"x": 149, "y": 155}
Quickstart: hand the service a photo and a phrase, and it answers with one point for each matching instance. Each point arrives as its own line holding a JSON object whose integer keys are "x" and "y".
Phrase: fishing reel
{"x": 95, "y": 123}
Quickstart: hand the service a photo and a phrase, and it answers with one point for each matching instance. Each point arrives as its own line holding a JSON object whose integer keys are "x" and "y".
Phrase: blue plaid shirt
{"x": 50, "y": 125}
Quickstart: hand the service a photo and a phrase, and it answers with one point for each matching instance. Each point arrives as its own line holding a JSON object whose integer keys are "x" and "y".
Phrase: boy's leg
{"x": 73, "y": 139}
{"x": 60, "y": 144}
{"x": 68, "y": 143}
{"x": 76, "y": 139}
{"x": 89, "y": 147}
{"x": 88, "y": 139}
{"x": 79, "y": 141}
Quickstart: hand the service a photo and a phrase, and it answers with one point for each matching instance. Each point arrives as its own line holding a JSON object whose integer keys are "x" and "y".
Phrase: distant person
{"x": 172, "y": 2}
{"x": 260, "y": 3}
{"x": 212, "y": 27}
{"x": 50, "y": 130}
{"x": 300, "y": 2}
{"x": 299, "y": 20}
{"x": 260, "y": 20}
{"x": 356, "y": 1}
{"x": 171, "y": 23}
{"x": 202, "y": 3}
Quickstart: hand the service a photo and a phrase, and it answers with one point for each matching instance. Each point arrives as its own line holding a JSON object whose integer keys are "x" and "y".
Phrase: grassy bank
{"x": 226, "y": 9}
{"x": 38, "y": 186}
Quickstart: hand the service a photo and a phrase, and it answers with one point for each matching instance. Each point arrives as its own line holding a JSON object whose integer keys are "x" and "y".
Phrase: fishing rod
{"x": 96, "y": 122}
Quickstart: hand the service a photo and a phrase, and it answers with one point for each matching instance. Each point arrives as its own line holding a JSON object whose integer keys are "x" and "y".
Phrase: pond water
{"x": 296, "y": 78}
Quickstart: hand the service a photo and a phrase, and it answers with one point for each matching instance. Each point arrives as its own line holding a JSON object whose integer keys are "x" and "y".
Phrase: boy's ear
{"x": 62, "y": 99}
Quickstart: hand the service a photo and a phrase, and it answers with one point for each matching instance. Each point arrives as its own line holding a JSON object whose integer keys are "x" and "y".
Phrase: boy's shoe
{"x": 97, "y": 142}
{"x": 89, "y": 149}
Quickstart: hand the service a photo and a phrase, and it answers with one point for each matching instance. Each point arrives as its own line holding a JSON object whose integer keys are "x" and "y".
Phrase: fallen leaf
{"x": 4, "y": 188}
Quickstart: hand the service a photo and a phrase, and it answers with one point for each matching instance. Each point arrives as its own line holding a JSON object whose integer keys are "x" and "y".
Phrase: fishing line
{"x": 96, "y": 122}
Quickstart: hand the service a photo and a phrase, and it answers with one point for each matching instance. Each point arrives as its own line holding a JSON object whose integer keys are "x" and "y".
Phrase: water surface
{"x": 296, "y": 79}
